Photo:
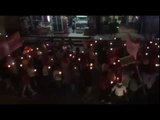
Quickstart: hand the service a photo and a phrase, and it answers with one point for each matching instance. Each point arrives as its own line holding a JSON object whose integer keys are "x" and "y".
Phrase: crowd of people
{"x": 57, "y": 68}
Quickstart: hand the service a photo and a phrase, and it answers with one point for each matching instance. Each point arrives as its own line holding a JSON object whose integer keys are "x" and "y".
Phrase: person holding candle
{"x": 46, "y": 78}
{"x": 148, "y": 71}
{"x": 25, "y": 83}
{"x": 119, "y": 91}
{"x": 58, "y": 78}
{"x": 87, "y": 76}
{"x": 31, "y": 72}
{"x": 66, "y": 70}
{"x": 104, "y": 87}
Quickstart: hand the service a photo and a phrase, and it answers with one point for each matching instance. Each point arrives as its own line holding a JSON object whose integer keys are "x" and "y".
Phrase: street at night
{"x": 79, "y": 60}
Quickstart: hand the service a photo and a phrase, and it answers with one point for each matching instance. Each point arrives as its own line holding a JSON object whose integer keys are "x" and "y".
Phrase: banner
{"x": 127, "y": 60}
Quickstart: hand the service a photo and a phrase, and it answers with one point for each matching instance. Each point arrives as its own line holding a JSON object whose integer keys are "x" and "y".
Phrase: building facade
{"x": 149, "y": 25}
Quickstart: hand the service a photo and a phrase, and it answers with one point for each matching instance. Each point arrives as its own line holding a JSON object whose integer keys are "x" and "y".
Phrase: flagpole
{"x": 137, "y": 68}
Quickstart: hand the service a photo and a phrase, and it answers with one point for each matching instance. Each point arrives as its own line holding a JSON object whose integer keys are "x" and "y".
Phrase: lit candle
{"x": 95, "y": 41}
{"x": 111, "y": 82}
{"x": 111, "y": 49}
{"x": 117, "y": 26}
{"x": 47, "y": 44}
{"x": 6, "y": 36}
{"x": 118, "y": 60}
{"x": 157, "y": 65}
{"x": 79, "y": 59}
{"x": 75, "y": 68}
{"x": 37, "y": 48}
{"x": 35, "y": 70}
{"x": 21, "y": 65}
{"x": 158, "y": 46}
{"x": 9, "y": 66}
{"x": 115, "y": 38}
{"x": 59, "y": 72}
{"x": 117, "y": 78}
{"x": 70, "y": 55}
{"x": 155, "y": 44}
{"x": 40, "y": 52}
{"x": 51, "y": 59}
{"x": 110, "y": 43}
{"x": 91, "y": 45}
{"x": 146, "y": 54}
{"x": 21, "y": 58}
{"x": 91, "y": 68}
{"x": 124, "y": 44}
{"x": 9, "y": 55}
{"x": 150, "y": 42}
{"x": 95, "y": 53}
{"x": 13, "y": 63}
{"x": 100, "y": 38}
{"x": 82, "y": 51}
{"x": 158, "y": 56}
{"x": 147, "y": 47}
{"x": 49, "y": 67}
{"x": 0, "y": 33}
{"x": 157, "y": 38}
{"x": 114, "y": 63}
{"x": 91, "y": 64}
{"x": 29, "y": 56}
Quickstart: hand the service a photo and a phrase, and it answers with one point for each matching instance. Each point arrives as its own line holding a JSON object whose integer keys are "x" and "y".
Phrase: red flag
{"x": 14, "y": 42}
{"x": 132, "y": 48}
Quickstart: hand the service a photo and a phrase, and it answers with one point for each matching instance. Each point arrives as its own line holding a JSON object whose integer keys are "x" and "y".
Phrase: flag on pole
{"x": 132, "y": 47}
{"x": 11, "y": 44}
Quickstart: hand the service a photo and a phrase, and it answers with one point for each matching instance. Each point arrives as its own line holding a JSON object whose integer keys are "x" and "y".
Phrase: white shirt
{"x": 119, "y": 91}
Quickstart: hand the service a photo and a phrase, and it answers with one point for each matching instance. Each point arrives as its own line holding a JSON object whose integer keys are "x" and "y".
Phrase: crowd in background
{"x": 58, "y": 68}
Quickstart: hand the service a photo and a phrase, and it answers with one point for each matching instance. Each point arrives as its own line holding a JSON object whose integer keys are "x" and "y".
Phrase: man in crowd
{"x": 119, "y": 91}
